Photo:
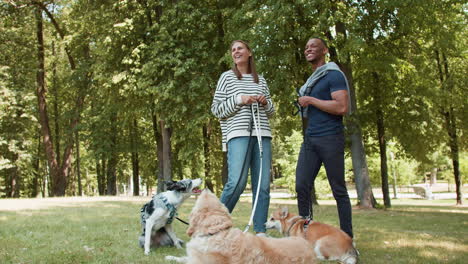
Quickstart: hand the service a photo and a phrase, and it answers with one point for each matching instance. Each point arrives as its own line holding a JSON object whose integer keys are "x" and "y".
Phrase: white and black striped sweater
{"x": 235, "y": 117}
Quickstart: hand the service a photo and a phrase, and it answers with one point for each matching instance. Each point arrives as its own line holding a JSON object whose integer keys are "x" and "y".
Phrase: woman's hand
{"x": 262, "y": 99}
{"x": 248, "y": 99}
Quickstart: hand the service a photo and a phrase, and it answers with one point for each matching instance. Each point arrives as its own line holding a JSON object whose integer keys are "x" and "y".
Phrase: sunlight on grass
{"x": 105, "y": 230}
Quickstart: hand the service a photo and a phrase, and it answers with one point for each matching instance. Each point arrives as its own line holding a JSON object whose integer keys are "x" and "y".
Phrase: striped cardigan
{"x": 235, "y": 117}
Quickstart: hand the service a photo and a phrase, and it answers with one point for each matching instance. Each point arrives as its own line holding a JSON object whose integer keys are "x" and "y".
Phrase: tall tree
{"x": 376, "y": 77}
{"x": 58, "y": 171}
{"x": 436, "y": 40}
{"x": 17, "y": 100}
{"x": 135, "y": 158}
{"x": 343, "y": 58}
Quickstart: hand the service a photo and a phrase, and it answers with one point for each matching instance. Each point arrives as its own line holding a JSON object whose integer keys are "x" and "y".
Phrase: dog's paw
{"x": 146, "y": 252}
{"x": 180, "y": 243}
{"x": 177, "y": 259}
{"x": 141, "y": 241}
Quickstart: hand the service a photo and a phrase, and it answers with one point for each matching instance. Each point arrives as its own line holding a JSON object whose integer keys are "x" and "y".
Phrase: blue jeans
{"x": 237, "y": 153}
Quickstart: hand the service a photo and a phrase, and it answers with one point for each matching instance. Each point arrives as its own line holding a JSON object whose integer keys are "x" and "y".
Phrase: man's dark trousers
{"x": 328, "y": 150}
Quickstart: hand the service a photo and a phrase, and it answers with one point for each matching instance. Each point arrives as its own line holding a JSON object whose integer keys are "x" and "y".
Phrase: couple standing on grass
{"x": 323, "y": 100}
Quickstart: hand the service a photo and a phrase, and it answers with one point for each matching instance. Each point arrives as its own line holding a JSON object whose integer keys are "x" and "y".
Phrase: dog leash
{"x": 260, "y": 147}
{"x": 182, "y": 220}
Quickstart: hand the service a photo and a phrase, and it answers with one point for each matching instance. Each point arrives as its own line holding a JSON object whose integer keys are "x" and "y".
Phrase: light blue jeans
{"x": 237, "y": 153}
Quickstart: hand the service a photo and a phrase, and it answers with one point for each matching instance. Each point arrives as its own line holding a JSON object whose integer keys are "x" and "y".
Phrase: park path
{"x": 277, "y": 197}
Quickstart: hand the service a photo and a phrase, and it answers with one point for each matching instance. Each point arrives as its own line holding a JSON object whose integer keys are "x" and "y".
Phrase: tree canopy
{"x": 114, "y": 95}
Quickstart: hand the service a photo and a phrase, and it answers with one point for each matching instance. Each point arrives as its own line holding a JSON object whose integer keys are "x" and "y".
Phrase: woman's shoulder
{"x": 261, "y": 79}
{"x": 228, "y": 73}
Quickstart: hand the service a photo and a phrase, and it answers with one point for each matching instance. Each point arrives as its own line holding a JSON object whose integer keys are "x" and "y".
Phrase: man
{"x": 324, "y": 100}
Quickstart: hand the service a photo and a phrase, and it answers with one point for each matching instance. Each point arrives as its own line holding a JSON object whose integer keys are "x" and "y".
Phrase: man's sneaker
{"x": 306, "y": 222}
{"x": 261, "y": 235}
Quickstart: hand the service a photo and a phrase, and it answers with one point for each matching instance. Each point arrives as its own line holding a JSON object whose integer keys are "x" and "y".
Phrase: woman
{"x": 236, "y": 91}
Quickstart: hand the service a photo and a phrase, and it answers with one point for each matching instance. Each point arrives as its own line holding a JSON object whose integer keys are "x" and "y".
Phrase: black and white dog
{"x": 158, "y": 214}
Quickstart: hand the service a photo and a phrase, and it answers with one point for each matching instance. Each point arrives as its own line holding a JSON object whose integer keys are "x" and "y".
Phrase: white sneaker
{"x": 261, "y": 235}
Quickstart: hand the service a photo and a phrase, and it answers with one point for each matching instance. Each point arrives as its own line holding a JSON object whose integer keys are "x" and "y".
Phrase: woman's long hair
{"x": 251, "y": 69}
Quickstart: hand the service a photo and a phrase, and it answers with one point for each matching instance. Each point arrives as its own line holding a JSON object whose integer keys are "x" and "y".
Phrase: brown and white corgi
{"x": 328, "y": 242}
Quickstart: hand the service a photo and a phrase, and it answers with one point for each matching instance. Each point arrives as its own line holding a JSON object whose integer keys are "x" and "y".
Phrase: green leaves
{"x": 131, "y": 54}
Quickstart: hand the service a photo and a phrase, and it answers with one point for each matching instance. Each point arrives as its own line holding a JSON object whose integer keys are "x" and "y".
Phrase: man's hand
{"x": 337, "y": 106}
{"x": 305, "y": 100}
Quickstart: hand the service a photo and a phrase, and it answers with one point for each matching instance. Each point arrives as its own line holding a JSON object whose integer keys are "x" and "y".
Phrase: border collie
{"x": 157, "y": 215}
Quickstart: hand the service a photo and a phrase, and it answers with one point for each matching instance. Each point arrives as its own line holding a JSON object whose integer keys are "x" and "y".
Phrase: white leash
{"x": 260, "y": 147}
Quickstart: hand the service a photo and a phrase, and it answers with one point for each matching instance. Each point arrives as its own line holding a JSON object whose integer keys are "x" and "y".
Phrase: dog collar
{"x": 214, "y": 233}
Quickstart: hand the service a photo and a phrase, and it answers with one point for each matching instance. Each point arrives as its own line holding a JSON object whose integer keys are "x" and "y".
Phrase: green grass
{"x": 99, "y": 231}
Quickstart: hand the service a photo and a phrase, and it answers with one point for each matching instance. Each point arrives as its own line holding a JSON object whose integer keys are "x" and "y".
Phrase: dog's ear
{"x": 284, "y": 212}
{"x": 190, "y": 231}
{"x": 170, "y": 185}
{"x": 181, "y": 187}
{"x": 175, "y": 186}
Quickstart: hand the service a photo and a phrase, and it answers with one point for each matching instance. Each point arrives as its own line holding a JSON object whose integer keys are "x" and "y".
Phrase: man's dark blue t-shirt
{"x": 321, "y": 123}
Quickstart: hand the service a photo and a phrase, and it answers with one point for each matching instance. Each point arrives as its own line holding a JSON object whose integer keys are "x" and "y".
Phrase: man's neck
{"x": 317, "y": 64}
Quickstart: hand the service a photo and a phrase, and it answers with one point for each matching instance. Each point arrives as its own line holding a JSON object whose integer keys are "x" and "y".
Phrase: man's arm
{"x": 337, "y": 106}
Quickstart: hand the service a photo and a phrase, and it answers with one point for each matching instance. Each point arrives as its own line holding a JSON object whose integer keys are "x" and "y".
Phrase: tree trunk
{"x": 55, "y": 106}
{"x": 71, "y": 183}
{"x": 451, "y": 127}
{"x": 206, "y": 152}
{"x": 112, "y": 163}
{"x": 78, "y": 160}
{"x": 383, "y": 158}
{"x": 45, "y": 183}
{"x": 101, "y": 176}
{"x": 161, "y": 186}
{"x": 382, "y": 140}
{"x": 167, "y": 152}
{"x": 135, "y": 159}
{"x": 433, "y": 176}
{"x": 454, "y": 153}
{"x": 12, "y": 184}
{"x": 159, "y": 149}
{"x": 450, "y": 124}
{"x": 358, "y": 154}
{"x": 111, "y": 174}
{"x": 58, "y": 174}
{"x": 221, "y": 40}
{"x": 57, "y": 182}
{"x": 36, "y": 169}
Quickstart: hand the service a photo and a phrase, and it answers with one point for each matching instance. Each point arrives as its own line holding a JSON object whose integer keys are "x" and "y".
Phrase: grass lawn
{"x": 105, "y": 230}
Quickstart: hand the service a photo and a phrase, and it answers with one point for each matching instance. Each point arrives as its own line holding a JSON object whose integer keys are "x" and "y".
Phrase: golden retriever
{"x": 214, "y": 240}
{"x": 329, "y": 242}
